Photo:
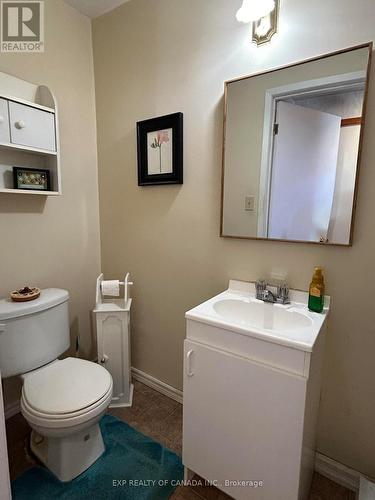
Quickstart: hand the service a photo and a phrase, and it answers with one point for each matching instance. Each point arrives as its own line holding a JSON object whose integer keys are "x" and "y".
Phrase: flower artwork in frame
{"x": 160, "y": 150}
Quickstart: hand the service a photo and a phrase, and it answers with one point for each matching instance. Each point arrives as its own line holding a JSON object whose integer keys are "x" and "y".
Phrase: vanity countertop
{"x": 237, "y": 309}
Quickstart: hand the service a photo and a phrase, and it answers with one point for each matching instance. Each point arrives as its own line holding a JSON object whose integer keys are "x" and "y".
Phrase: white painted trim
{"x": 318, "y": 86}
{"x": 354, "y": 80}
{"x": 12, "y": 409}
{"x": 5, "y": 493}
{"x": 337, "y": 472}
{"x": 158, "y": 385}
{"x": 266, "y": 165}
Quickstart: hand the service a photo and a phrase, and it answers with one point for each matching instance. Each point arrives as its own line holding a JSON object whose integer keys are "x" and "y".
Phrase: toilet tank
{"x": 33, "y": 333}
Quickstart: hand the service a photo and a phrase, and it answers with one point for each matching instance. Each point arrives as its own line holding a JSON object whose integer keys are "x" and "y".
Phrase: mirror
{"x": 291, "y": 151}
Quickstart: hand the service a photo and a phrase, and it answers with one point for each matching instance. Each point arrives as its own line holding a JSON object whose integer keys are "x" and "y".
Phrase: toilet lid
{"x": 66, "y": 386}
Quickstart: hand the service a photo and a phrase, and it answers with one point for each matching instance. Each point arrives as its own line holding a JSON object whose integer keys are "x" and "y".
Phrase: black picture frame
{"x": 162, "y": 123}
{"x": 18, "y": 170}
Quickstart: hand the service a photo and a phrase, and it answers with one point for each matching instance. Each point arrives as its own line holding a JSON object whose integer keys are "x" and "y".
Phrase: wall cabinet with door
{"x": 29, "y": 137}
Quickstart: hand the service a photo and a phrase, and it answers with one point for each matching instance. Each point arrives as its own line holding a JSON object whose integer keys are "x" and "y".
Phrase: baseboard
{"x": 337, "y": 472}
{"x": 158, "y": 385}
{"x": 12, "y": 409}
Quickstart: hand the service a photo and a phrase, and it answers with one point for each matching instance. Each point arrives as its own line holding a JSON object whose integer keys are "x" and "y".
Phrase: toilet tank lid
{"x": 48, "y": 298}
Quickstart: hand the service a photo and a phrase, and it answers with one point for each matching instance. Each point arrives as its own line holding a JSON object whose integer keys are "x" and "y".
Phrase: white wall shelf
{"x": 27, "y": 103}
{"x": 29, "y": 191}
{"x": 28, "y": 149}
{"x": 29, "y": 133}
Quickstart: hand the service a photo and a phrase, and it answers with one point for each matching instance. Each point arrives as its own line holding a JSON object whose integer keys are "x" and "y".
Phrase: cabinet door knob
{"x": 20, "y": 124}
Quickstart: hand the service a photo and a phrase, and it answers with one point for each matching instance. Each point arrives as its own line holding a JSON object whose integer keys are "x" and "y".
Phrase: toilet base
{"x": 67, "y": 457}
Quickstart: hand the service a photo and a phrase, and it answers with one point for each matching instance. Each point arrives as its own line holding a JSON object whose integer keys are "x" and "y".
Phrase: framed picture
{"x": 160, "y": 150}
{"x": 32, "y": 179}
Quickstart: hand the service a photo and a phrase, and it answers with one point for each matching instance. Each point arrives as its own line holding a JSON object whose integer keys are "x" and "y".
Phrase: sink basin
{"x": 262, "y": 315}
{"x": 238, "y": 311}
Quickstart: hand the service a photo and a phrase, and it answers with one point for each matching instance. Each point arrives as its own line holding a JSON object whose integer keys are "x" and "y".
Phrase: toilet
{"x": 62, "y": 400}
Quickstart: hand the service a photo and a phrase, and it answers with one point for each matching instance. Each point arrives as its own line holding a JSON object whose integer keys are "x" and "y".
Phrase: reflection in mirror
{"x": 291, "y": 150}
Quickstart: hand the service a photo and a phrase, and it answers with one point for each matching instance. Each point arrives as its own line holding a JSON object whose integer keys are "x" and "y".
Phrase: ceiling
{"x": 95, "y": 8}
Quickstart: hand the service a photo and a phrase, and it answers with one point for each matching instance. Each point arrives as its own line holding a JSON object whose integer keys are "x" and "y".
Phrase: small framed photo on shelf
{"x": 33, "y": 179}
{"x": 160, "y": 150}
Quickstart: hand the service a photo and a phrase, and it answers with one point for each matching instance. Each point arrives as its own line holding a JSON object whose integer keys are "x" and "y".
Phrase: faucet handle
{"x": 260, "y": 287}
{"x": 283, "y": 293}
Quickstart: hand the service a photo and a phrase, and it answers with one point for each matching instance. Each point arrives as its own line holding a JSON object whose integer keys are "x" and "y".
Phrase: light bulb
{"x": 252, "y": 10}
{"x": 263, "y": 27}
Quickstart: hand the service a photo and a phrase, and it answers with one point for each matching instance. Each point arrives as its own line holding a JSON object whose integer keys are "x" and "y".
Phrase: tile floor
{"x": 160, "y": 418}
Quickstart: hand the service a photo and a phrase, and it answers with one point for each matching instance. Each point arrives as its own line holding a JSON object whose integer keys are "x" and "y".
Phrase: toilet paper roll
{"x": 111, "y": 288}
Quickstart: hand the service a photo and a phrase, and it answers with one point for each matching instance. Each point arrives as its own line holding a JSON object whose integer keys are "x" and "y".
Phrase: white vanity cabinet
{"x": 250, "y": 409}
{"x": 32, "y": 127}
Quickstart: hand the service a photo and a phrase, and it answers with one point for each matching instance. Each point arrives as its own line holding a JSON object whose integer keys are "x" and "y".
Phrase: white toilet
{"x": 62, "y": 400}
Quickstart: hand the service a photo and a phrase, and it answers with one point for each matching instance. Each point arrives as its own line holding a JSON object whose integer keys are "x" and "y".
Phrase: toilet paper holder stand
{"x": 112, "y": 316}
{"x": 120, "y": 302}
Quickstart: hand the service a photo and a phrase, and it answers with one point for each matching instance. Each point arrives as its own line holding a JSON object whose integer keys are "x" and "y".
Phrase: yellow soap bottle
{"x": 316, "y": 291}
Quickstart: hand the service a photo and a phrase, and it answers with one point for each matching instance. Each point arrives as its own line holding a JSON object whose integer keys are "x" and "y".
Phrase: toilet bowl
{"x": 62, "y": 400}
{"x": 63, "y": 403}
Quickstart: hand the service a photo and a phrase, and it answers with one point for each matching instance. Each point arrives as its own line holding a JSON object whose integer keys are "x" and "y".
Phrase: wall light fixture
{"x": 264, "y": 15}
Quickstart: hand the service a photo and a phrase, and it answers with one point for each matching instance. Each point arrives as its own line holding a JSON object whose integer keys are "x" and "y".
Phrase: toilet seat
{"x": 66, "y": 386}
{"x": 70, "y": 420}
{"x": 66, "y": 393}
{"x": 64, "y": 416}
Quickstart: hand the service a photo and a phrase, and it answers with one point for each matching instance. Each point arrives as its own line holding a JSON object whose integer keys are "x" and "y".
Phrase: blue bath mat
{"x": 133, "y": 467}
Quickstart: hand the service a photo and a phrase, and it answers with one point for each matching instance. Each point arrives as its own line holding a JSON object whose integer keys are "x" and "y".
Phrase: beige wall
{"x": 54, "y": 242}
{"x": 154, "y": 57}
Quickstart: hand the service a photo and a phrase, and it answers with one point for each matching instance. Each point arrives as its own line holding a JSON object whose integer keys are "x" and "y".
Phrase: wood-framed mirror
{"x": 292, "y": 150}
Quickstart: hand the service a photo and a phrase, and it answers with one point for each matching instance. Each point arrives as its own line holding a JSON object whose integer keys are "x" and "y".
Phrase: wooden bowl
{"x": 21, "y": 296}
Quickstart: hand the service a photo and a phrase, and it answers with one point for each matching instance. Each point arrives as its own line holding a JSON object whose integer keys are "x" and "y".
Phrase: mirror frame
{"x": 369, "y": 46}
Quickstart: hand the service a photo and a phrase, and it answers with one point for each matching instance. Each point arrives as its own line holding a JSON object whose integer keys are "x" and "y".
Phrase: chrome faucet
{"x": 263, "y": 293}
{"x": 268, "y": 296}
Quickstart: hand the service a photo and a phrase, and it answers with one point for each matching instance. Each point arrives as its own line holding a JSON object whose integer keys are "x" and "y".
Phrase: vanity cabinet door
{"x": 32, "y": 127}
{"x": 243, "y": 421}
{"x": 4, "y": 122}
